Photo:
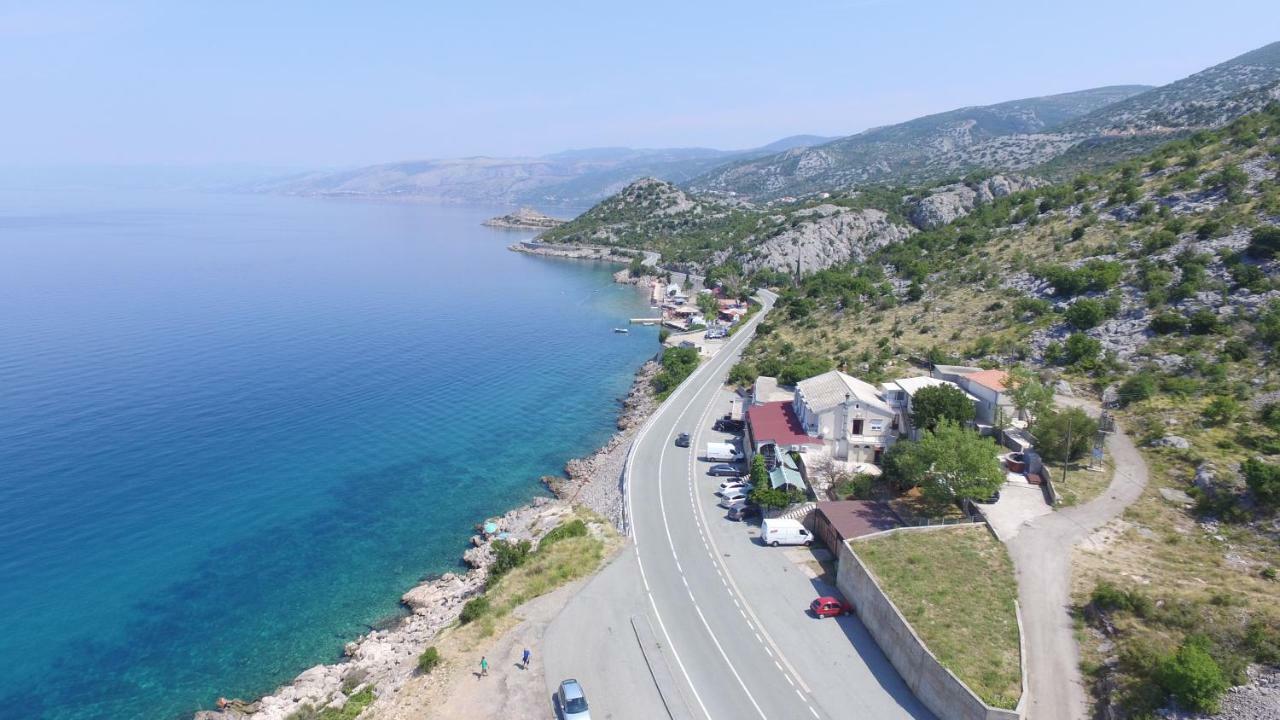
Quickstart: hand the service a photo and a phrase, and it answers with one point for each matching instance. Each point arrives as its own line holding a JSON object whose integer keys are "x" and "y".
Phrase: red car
{"x": 830, "y": 607}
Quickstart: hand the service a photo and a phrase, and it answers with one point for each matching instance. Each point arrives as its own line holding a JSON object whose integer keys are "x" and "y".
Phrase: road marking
{"x": 734, "y": 591}
{"x": 789, "y": 680}
{"x": 727, "y": 351}
{"x": 815, "y": 712}
{"x": 759, "y": 639}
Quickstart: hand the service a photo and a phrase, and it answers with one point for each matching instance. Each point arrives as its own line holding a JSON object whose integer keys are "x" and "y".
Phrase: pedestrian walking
{"x": 524, "y": 659}
{"x": 484, "y": 665}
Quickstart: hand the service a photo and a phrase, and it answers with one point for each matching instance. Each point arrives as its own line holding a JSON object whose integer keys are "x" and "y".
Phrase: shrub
{"x": 1086, "y": 313}
{"x": 1034, "y": 307}
{"x": 1193, "y": 678}
{"x": 507, "y": 557}
{"x": 1203, "y": 322}
{"x": 1137, "y": 388}
{"x": 1263, "y": 479}
{"x": 1081, "y": 349}
{"x": 428, "y": 660}
{"x": 1167, "y": 322}
{"x": 475, "y": 608}
{"x": 1235, "y": 349}
{"x": 1269, "y": 415}
{"x": 677, "y": 364}
{"x": 940, "y": 402}
{"x": 1265, "y": 242}
{"x": 1221, "y": 410}
{"x": 573, "y": 528}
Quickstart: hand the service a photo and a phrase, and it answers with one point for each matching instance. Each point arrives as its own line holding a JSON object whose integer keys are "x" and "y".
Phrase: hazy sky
{"x": 315, "y": 84}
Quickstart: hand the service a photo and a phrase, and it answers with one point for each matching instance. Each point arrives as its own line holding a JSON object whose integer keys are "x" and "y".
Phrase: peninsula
{"x": 524, "y": 219}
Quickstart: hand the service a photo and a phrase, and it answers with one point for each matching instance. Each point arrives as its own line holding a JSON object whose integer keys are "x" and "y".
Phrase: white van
{"x": 784, "y": 531}
{"x": 722, "y": 452}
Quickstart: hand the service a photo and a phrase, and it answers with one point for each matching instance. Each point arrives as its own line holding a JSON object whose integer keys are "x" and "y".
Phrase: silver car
{"x": 572, "y": 701}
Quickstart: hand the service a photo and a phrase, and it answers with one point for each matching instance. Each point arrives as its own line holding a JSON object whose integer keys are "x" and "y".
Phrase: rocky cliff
{"x": 825, "y": 236}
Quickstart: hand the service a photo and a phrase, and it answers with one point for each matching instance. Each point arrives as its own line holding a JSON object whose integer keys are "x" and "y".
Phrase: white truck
{"x": 722, "y": 452}
{"x": 784, "y": 531}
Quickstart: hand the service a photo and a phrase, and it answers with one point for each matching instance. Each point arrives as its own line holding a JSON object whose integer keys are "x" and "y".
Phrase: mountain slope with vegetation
{"x": 1009, "y": 135}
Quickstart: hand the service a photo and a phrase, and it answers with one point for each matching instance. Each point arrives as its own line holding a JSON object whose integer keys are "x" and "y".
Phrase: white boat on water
{"x": 622, "y": 330}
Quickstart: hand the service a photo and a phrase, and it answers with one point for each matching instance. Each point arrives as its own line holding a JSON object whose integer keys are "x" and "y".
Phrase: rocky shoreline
{"x": 573, "y": 252}
{"x": 387, "y": 658}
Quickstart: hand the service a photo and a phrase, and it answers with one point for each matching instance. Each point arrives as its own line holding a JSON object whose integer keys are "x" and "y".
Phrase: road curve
{"x": 729, "y": 631}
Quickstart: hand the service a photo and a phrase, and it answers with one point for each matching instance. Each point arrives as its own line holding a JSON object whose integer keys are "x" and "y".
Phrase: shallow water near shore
{"x": 234, "y": 429}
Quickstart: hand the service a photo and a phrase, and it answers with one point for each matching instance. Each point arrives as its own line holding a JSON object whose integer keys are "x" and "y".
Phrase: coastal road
{"x": 696, "y": 607}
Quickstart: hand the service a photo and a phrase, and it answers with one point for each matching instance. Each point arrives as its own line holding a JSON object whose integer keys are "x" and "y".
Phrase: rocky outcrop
{"x": 524, "y": 219}
{"x": 951, "y": 202}
{"x": 1171, "y": 441}
{"x": 825, "y": 236}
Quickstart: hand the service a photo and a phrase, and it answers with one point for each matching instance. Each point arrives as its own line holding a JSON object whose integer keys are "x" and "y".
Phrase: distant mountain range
{"x": 1052, "y": 136}
{"x": 573, "y": 178}
{"x": 1055, "y": 134}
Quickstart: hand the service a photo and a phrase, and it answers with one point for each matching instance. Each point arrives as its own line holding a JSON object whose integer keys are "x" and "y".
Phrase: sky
{"x": 321, "y": 85}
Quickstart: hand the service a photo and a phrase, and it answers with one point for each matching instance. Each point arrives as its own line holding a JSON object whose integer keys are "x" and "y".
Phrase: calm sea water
{"x": 233, "y": 430}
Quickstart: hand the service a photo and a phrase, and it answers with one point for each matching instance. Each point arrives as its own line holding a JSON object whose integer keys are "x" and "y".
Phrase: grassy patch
{"x": 1082, "y": 484}
{"x": 956, "y": 588}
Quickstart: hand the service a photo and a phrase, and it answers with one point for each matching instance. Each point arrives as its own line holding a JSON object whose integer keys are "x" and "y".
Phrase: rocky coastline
{"x": 574, "y": 252}
{"x": 524, "y": 219}
{"x": 387, "y": 658}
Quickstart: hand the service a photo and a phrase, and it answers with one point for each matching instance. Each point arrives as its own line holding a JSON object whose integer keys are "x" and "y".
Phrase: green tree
{"x": 1137, "y": 388}
{"x": 1193, "y": 678}
{"x": 709, "y": 306}
{"x": 1263, "y": 479}
{"x": 1053, "y": 429}
{"x": 936, "y": 403}
{"x": 1030, "y": 397}
{"x": 904, "y": 465}
{"x": 959, "y": 463}
{"x": 759, "y": 471}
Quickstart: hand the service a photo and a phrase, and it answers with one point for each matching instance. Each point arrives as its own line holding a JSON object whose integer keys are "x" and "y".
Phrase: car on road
{"x": 827, "y": 606}
{"x": 732, "y": 497}
{"x": 572, "y": 701}
{"x": 682, "y": 440}
{"x": 734, "y": 484}
{"x": 741, "y": 511}
{"x": 723, "y": 470}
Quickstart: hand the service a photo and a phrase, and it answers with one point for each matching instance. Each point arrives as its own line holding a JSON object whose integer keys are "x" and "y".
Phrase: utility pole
{"x": 1066, "y": 455}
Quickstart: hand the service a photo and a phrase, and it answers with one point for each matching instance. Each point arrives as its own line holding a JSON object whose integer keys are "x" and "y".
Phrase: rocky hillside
{"x": 1006, "y": 136}
{"x": 1153, "y": 285}
{"x": 573, "y": 178}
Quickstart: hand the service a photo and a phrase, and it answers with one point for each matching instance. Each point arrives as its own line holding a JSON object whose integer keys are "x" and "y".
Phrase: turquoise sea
{"x": 234, "y": 429}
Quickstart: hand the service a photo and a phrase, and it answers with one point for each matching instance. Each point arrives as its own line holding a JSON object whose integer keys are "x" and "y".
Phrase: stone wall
{"x": 940, "y": 690}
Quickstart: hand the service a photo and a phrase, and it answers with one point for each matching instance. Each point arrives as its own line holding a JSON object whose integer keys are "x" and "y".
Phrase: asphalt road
{"x": 727, "y": 634}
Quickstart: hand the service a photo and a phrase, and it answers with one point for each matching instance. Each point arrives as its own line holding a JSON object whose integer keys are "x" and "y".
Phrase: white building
{"x": 990, "y": 387}
{"x": 850, "y": 416}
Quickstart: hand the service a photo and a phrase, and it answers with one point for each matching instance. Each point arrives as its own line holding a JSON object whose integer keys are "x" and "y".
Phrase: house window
{"x": 857, "y": 427}
{"x": 877, "y": 425}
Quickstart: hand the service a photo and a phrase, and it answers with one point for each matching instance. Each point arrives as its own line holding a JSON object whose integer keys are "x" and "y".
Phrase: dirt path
{"x": 508, "y": 691}
{"x": 1041, "y": 555}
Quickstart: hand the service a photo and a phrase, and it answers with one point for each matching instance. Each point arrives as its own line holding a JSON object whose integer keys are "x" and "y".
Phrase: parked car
{"x": 682, "y": 440}
{"x": 572, "y": 701}
{"x": 733, "y": 484}
{"x": 784, "y": 531}
{"x": 725, "y": 424}
{"x": 732, "y": 497}
{"x": 723, "y": 470}
{"x": 742, "y": 511}
{"x": 827, "y": 606}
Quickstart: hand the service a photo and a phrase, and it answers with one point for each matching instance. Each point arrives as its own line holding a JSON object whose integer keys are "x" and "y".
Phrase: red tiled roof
{"x": 855, "y": 518}
{"x": 777, "y": 422}
{"x": 994, "y": 379}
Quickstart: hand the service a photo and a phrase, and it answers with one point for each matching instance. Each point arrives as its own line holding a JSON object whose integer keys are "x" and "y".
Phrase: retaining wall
{"x": 937, "y": 687}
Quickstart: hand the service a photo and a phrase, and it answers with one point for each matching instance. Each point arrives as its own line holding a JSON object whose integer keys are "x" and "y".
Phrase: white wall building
{"x": 849, "y": 415}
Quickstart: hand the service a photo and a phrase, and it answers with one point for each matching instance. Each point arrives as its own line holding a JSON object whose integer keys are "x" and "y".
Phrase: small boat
{"x": 621, "y": 330}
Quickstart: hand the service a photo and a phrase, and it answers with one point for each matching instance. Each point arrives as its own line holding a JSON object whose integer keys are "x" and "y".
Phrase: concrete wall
{"x": 939, "y": 690}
